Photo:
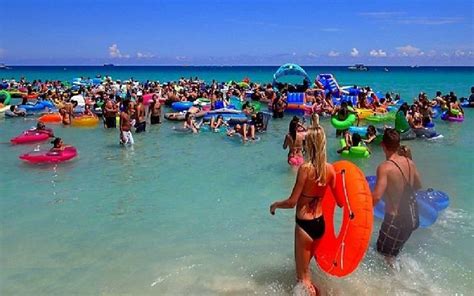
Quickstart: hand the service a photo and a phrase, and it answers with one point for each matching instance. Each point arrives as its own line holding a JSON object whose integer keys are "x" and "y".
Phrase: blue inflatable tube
{"x": 181, "y": 106}
{"x": 38, "y": 106}
{"x": 430, "y": 202}
{"x": 228, "y": 116}
{"x": 361, "y": 130}
{"x": 428, "y": 214}
{"x": 438, "y": 199}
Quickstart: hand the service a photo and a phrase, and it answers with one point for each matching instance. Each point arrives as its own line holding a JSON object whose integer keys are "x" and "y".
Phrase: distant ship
{"x": 385, "y": 69}
{"x": 4, "y": 67}
{"x": 358, "y": 67}
{"x": 109, "y": 65}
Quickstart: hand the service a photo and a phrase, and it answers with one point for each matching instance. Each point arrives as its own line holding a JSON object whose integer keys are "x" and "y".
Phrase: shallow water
{"x": 188, "y": 214}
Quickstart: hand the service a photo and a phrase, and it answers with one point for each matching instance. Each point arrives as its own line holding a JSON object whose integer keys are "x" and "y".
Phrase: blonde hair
{"x": 404, "y": 150}
{"x": 314, "y": 120}
{"x": 315, "y": 143}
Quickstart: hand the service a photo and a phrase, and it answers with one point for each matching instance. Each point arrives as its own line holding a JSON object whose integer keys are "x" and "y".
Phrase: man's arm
{"x": 380, "y": 185}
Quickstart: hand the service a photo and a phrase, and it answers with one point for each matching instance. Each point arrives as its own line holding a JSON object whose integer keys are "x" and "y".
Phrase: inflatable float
{"x": 40, "y": 105}
{"x": 340, "y": 254}
{"x": 430, "y": 202}
{"x": 355, "y": 151}
{"x": 50, "y": 157}
{"x": 86, "y": 121}
{"x": 344, "y": 124}
{"x": 230, "y": 115}
{"x": 181, "y": 106}
{"x": 30, "y": 137}
{"x": 180, "y": 116}
{"x": 297, "y": 103}
{"x": 5, "y": 97}
{"x": 51, "y": 118}
{"x": 446, "y": 117}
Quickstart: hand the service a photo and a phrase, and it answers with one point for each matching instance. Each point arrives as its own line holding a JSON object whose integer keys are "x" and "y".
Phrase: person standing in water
{"x": 312, "y": 181}
{"x": 125, "y": 125}
{"x": 140, "y": 116}
{"x": 110, "y": 114}
{"x": 398, "y": 180}
{"x": 155, "y": 110}
{"x": 294, "y": 142}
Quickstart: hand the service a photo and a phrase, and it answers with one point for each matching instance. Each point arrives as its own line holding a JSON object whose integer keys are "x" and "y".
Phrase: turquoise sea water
{"x": 188, "y": 214}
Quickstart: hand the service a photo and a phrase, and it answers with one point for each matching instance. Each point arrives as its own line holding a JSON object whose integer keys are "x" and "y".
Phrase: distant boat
{"x": 109, "y": 65}
{"x": 358, "y": 67}
{"x": 386, "y": 69}
{"x": 4, "y": 67}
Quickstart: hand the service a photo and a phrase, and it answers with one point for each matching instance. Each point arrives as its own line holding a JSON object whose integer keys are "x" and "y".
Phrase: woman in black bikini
{"x": 312, "y": 180}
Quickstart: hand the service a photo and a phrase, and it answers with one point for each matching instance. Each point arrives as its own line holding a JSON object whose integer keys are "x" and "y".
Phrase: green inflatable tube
{"x": 5, "y": 97}
{"x": 401, "y": 122}
{"x": 355, "y": 152}
{"x": 342, "y": 125}
{"x": 256, "y": 106}
{"x": 381, "y": 117}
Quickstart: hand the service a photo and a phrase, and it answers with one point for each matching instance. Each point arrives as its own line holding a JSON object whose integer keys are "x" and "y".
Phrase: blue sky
{"x": 228, "y": 32}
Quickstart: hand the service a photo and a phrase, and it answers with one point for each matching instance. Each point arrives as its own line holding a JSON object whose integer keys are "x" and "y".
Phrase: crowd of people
{"x": 397, "y": 177}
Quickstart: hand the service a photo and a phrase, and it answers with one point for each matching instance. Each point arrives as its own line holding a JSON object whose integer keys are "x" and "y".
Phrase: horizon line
{"x": 223, "y": 65}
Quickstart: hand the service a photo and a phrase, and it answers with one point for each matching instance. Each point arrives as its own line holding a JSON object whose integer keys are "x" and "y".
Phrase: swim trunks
{"x": 392, "y": 236}
{"x": 127, "y": 138}
{"x": 141, "y": 126}
{"x": 155, "y": 119}
{"x": 110, "y": 122}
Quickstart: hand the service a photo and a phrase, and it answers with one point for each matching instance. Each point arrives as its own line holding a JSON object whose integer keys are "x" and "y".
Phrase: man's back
{"x": 396, "y": 182}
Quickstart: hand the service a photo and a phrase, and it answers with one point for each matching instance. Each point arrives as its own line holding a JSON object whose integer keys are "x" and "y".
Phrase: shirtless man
{"x": 110, "y": 112}
{"x": 125, "y": 125}
{"x": 398, "y": 180}
{"x": 140, "y": 116}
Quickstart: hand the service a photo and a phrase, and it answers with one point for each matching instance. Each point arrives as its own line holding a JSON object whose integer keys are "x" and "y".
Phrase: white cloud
{"x": 378, "y": 53}
{"x": 354, "y": 52}
{"x": 180, "y": 58}
{"x": 141, "y": 55}
{"x": 459, "y": 53}
{"x": 312, "y": 54}
{"x": 409, "y": 51}
{"x": 114, "y": 52}
{"x": 333, "y": 53}
{"x": 430, "y": 21}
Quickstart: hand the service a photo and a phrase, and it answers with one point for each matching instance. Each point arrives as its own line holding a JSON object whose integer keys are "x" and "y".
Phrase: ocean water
{"x": 188, "y": 214}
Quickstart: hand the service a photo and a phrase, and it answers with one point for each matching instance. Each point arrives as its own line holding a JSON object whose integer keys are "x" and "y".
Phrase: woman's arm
{"x": 291, "y": 201}
{"x": 285, "y": 142}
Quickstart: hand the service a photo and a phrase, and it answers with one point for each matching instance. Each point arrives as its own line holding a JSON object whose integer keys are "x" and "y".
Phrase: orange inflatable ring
{"x": 340, "y": 255}
{"x": 32, "y": 96}
{"x": 51, "y": 118}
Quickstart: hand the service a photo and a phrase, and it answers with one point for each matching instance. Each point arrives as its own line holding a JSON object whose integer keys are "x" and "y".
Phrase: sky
{"x": 244, "y": 32}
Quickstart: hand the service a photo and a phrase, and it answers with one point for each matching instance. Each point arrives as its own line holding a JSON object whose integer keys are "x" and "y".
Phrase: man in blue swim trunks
{"x": 397, "y": 180}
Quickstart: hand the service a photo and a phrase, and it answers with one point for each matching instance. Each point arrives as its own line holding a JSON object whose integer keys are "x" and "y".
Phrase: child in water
{"x": 58, "y": 145}
{"x": 371, "y": 134}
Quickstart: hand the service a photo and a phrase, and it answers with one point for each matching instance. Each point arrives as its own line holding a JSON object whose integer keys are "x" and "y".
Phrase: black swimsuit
{"x": 314, "y": 227}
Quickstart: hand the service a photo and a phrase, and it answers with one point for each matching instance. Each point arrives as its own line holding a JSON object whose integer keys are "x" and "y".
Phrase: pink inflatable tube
{"x": 50, "y": 157}
{"x": 30, "y": 137}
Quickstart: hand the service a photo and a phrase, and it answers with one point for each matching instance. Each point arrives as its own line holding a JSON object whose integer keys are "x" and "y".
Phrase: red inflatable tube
{"x": 50, "y": 157}
{"x": 30, "y": 137}
{"x": 339, "y": 255}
